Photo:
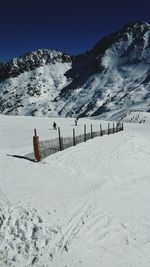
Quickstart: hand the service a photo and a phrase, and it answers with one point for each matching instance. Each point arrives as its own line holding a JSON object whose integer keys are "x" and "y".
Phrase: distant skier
{"x": 55, "y": 125}
{"x": 118, "y": 125}
{"x": 76, "y": 121}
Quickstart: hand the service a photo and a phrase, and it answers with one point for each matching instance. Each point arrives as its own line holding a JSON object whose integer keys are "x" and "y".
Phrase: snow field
{"x": 85, "y": 206}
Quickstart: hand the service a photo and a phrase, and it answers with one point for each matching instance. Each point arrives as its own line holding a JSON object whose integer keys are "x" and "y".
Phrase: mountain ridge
{"x": 111, "y": 76}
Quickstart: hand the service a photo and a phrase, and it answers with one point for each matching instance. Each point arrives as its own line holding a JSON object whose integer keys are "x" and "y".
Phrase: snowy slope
{"x": 114, "y": 75}
{"x": 119, "y": 75}
{"x": 85, "y": 206}
{"x": 30, "y": 83}
{"x": 33, "y": 92}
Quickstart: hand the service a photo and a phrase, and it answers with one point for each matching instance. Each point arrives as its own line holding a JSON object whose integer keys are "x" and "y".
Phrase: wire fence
{"x": 43, "y": 149}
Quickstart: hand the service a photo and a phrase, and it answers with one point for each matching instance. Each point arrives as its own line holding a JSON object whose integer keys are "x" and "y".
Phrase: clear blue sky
{"x": 67, "y": 25}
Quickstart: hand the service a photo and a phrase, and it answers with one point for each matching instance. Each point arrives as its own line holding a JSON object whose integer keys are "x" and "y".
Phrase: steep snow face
{"x": 33, "y": 92}
{"x": 121, "y": 76}
{"x": 114, "y": 75}
{"x": 30, "y": 61}
{"x": 30, "y": 83}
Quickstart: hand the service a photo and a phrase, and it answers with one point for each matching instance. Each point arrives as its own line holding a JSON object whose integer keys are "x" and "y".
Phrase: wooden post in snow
{"x": 36, "y": 146}
{"x": 74, "y": 138}
{"x": 91, "y": 132}
{"x": 108, "y": 128}
{"x": 116, "y": 127}
{"x": 60, "y": 139}
{"x": 113, "y": 128}
{"x": 101, "y": 131}
{"x": 84, "y": 132}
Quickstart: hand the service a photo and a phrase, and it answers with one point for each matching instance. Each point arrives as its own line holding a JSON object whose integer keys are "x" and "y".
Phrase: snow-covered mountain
{"x": 114, "y": 75}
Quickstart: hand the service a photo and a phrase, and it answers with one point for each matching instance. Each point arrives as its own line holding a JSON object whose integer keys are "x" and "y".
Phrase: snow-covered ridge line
{"x": 31, "y": 61}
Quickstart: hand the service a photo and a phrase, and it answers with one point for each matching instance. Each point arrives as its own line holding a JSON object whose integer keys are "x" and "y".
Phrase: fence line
{"x": 43, "y": 149}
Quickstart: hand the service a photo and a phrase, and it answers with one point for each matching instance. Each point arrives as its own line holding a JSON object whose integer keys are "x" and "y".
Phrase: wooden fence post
{"x": 101, "y": 132}
{"x": 74, "y": 138}
{"x": 36, "y": 146}
{"x": 60, "y": 139}
{"x": 91, "y": 132}
{"x": 116, "y": 127}
{"x": 84, "y": 132}
{"x": 108, "y": 128}
{"x": 113, "y": 128}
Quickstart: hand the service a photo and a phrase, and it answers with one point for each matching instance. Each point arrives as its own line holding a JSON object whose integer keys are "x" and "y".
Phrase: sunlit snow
{"x": 84, "y": 206}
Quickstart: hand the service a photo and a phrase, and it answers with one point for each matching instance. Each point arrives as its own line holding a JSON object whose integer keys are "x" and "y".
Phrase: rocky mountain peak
{"x": 135, "y": 30}
{"x": 137, "y": 26}
{"x": 30, "y": 61}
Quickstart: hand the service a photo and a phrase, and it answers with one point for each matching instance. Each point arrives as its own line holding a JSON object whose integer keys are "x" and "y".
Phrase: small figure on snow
{"x": 55, "y": 125}
{"x": 118, "y": 124}
{"x": 76, "y": 121}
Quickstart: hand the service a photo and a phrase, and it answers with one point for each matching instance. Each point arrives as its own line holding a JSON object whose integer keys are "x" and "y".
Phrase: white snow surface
{"x": 85, "y": 206}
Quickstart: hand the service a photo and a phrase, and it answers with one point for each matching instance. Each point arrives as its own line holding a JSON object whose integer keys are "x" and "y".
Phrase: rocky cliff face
{"x": 113, "y": 76}
{"x": 31, "y": 61}
{"x": 30, "y": 83}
